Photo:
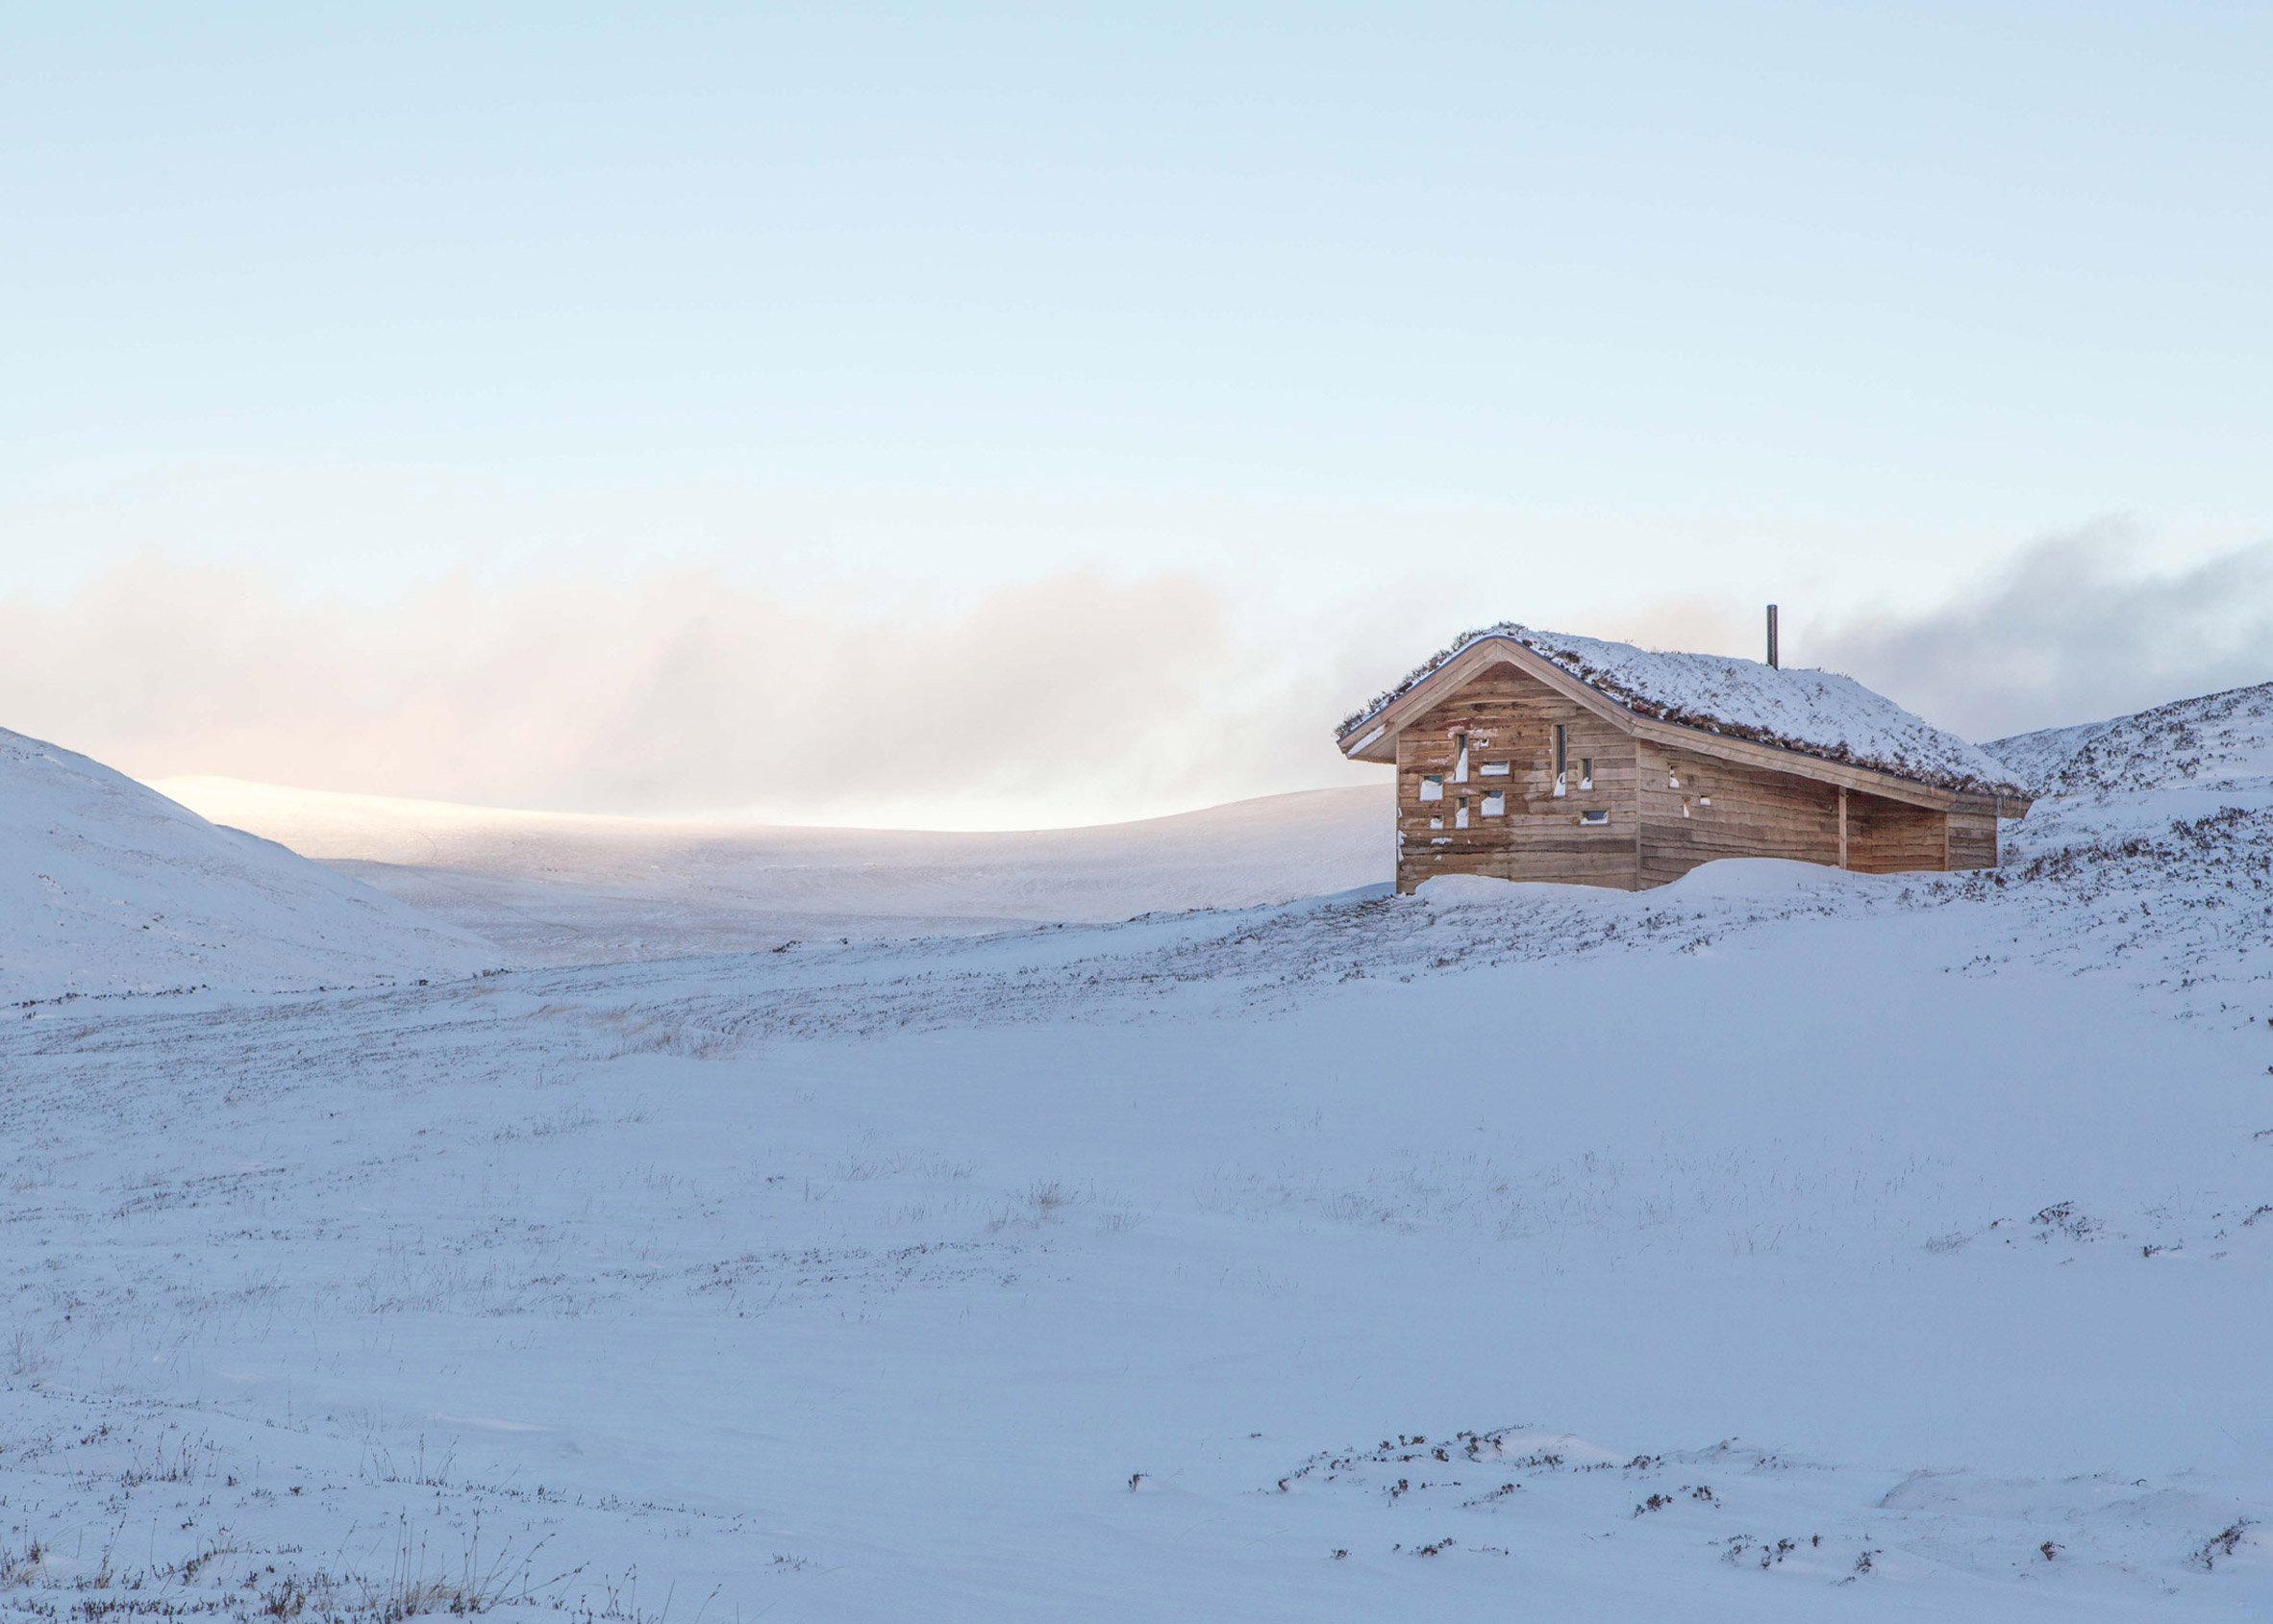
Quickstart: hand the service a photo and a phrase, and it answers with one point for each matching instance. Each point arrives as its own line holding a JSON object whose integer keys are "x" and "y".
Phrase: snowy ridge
{"x": 559, "y": 888}
{"x": 107, "y": 886}
{"x": 2218, "y": 739}
{"x": 1815, "y": 713}
{"x": 2036, "y": 758}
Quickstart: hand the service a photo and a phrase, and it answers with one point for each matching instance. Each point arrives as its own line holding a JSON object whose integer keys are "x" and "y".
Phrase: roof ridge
{"x": 1824, "y": 715}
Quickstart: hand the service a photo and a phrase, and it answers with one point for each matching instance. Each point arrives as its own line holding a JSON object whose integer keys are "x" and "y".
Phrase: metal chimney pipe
{"x": 1774, "y": 664}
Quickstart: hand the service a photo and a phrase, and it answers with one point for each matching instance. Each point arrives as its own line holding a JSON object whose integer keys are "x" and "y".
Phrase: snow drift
{"x": 108, "y": 887}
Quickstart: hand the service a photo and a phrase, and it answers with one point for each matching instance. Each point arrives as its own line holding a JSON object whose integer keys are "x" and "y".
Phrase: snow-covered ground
{"x": 2218, "y": 739}
{"x": 107, "y": 888}
{"x": 551, "y": 888}
{"x": 1783, "y": 1244}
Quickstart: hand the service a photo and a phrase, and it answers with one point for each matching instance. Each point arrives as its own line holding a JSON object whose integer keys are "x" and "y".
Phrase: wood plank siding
{"x": 1659, "y": 809}
{"x": 1509, "y": 720}
{"x": 1973, "y": 835}
{"x": 1889, "y": 837}
{"x": 1695, "y": 808}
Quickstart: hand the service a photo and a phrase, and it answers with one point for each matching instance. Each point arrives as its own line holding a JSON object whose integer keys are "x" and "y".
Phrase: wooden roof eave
{"x": 1377, "y": 740}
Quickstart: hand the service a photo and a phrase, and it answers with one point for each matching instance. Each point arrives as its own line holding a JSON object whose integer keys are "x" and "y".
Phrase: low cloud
{"x": 1073, "y": 699}
{"x": 2073, "y": 630}
{"x": 1070, "y": 699}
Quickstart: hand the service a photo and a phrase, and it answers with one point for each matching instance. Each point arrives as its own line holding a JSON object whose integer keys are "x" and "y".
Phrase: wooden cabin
{"x": 1527, "y": 754}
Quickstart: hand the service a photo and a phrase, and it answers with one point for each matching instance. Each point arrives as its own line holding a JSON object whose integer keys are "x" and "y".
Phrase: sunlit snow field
{"x": 1783, "y": 1244}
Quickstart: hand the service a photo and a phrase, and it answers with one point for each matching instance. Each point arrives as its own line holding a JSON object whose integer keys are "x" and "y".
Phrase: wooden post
{"x": 1842, "y": 826}
{"x": 1639, "y": 770}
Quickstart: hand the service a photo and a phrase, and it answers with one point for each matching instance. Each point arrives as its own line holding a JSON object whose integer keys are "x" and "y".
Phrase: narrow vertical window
{"x": 1460, "y": 764}
{"x": 1561, "y": 758}
{"x": 1586, "y": 772}
{"x": 1459, "y": 818}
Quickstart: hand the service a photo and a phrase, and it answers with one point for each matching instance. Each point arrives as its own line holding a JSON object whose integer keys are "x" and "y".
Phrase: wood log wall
{"x": 1973, "y": 836}
{"x": 1893, "y": 837}
{"x": 1662, "y": 811}
{"x": 1697, "y": 807}
{"x": 1510, "y": 719}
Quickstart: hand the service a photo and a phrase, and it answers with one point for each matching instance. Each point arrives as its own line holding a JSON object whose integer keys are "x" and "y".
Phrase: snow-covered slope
{"x": 108, "y": 887}
{"x": 557, "y": 888}
{"x": 1780, "y": 1245}
{"x": 2218, "y": 739}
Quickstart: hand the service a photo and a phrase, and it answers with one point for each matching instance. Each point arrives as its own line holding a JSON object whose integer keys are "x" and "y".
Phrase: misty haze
{"x": 1279, "y": 814}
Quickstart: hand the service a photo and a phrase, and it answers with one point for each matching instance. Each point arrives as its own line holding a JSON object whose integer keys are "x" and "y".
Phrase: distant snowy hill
{"x": 561, "y": 888}
{"x": 108, "y": 887}
{"x": 2219, "y": 738}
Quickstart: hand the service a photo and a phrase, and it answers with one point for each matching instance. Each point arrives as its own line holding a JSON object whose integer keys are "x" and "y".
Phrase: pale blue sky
{"x": 1480, "y": 309}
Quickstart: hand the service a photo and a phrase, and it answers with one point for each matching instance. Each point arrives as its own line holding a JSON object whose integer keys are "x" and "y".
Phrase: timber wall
{"x": 1667, "y": 810}
{"x": 1972, "y": 836}
{"x": 1895, "y": 837}
{"x": 1695, "y": 808}
{"x": 1511, "y": 718}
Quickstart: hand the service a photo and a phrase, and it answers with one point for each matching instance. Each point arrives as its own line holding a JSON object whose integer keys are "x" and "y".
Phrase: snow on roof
{"x": 1815, "y": 712}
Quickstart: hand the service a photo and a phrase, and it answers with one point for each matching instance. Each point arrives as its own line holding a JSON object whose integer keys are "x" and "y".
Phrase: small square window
{"x": 1495, "y": 804}
{"x": 1432, "y": 788}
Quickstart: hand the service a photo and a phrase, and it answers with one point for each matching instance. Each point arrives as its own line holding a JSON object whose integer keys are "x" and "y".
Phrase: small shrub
{"x": 2221, "y": 1544}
